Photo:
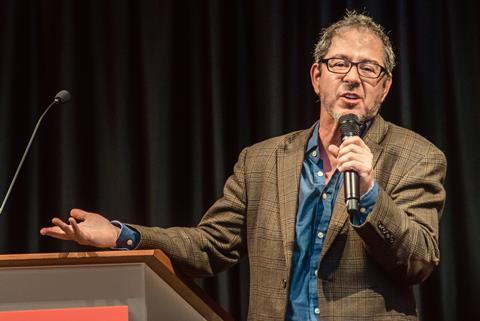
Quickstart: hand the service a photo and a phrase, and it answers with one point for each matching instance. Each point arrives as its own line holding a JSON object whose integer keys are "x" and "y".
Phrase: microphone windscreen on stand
{"x": 61, "y": 97}
{"x": 349, "y": 126}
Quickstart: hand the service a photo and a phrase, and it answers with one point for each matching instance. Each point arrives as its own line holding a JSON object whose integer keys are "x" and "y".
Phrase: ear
{"x": 386, "y": 87}
{"x": 315, "y": 77}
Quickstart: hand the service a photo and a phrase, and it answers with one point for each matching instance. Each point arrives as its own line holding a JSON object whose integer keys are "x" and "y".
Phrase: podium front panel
{"x": 147, "y": 296}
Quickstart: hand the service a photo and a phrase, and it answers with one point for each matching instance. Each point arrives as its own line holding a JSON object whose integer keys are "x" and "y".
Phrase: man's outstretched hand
{"x": 85, "y": 228}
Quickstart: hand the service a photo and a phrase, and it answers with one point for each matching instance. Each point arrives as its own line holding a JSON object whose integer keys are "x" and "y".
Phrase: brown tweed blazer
{"x": 365, "y": 272}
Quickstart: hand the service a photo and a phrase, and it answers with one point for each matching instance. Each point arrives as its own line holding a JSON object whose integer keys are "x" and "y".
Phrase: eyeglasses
{"x": 365, "y": 69}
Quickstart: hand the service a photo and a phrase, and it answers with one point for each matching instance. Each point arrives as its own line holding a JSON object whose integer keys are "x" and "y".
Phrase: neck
{"x": 328, "y": 135}
{"x": 327, "y": 131}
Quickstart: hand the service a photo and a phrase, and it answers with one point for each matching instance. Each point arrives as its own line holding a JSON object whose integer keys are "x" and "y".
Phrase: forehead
{"x": 356, "y": 44}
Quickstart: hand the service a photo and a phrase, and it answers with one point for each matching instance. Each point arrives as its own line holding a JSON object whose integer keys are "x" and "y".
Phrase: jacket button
{"x": 284, "y": 283}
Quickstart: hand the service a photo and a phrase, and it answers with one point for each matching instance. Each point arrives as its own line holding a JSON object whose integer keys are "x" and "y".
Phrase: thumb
{"x": 78, "y": 214}
{"x": 334, "y": 150}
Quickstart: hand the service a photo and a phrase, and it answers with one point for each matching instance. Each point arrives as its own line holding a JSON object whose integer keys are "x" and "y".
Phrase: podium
{"x": 143, "y": 280}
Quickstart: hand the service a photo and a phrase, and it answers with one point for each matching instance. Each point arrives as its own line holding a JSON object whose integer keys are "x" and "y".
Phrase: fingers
{"x": 59, "y": 231}
{"x": 62, "y": 230}
{"x": 356, "y": 140}
{"x": 353, "y": 144}
{"x": 357, "y": 166}
{"x": 74, "y": 225}
{"x": 67, "y": 229}
{"x": 78, "y": 234}
{"x": 355, "y": 155}
{"x": 55, "y": 232}
{"x": 84, "y": 228}
{"x": 354, "y": 159}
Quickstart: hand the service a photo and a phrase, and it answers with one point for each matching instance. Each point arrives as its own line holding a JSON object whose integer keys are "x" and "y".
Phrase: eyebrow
{"x": 364, "y": 60}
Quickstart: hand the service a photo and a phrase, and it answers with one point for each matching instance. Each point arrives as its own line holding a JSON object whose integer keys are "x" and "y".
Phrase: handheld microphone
{"x": 61, "y": 97}
{"x": 349, "y": 126}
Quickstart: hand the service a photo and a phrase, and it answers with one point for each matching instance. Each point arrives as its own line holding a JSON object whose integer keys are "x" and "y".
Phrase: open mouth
{"x": 351, "y": 97}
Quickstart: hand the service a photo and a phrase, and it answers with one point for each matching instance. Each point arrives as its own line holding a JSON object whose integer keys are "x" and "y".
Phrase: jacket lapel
{"x": 372, "y": 139}
{"x": 289, "y": 166}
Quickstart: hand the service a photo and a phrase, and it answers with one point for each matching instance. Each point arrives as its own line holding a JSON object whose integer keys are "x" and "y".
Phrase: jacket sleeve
{"x": 401, "y": 233}
{"x": 217, "y": 242}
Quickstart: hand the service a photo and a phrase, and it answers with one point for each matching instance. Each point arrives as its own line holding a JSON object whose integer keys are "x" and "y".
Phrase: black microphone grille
{"x": 349, "y": 125}
{"x": 63, "y": 96}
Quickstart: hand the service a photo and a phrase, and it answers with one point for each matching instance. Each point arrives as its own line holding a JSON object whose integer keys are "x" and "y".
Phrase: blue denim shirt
{"x": 316, "y": 200}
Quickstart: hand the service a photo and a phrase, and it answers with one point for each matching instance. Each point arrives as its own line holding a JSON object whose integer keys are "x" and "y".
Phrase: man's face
{"x": 342, "y": 94}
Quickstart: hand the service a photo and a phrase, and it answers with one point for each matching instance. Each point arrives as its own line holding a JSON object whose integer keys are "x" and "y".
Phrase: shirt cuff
{"x": 367, "y": 202}
{"x": 128, "y": 239}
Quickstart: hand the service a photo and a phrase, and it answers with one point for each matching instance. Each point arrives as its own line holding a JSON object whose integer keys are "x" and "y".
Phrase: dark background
{"x": 166, "y": 93}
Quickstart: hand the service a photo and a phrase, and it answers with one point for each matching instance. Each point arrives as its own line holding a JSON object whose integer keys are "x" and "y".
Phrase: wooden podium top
{"x": 76, "y": 258}
{"x": 155, "y": 259}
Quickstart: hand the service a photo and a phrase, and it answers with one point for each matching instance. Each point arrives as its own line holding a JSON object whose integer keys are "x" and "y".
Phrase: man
{"x": 283, "y": 206}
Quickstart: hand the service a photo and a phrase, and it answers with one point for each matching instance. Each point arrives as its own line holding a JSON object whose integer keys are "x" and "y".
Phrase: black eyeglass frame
{"x": 383, "y": 70}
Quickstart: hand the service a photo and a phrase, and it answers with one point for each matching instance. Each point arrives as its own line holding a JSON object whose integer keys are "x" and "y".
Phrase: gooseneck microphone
{"x": 62, "y": 97}
{"x": 349, "y": 126}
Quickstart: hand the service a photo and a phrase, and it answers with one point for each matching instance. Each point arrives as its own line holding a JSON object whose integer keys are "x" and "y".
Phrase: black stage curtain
{"x": 165, "y": 94}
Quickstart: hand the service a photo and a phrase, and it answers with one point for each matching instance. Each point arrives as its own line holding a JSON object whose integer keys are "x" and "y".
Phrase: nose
{"x": 352, "y": 75}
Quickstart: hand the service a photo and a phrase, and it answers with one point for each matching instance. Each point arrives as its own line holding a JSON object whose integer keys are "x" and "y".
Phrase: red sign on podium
{"x": 107, "y": 313}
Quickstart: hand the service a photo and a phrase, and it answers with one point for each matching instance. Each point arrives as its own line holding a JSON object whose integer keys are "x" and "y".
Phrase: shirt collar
{"x": 313, "y": 140}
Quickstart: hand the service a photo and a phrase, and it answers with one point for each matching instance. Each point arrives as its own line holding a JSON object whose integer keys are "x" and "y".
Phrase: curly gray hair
{"x": 352, "y": 19}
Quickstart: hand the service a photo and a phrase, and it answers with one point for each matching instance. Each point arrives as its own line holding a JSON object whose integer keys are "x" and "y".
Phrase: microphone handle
{"x": 351, "y": 187}
{"x": 56, "y": 101}
{"x": 349, "y": 126}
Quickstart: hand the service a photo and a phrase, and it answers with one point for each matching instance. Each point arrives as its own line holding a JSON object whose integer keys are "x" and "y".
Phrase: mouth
{"x": 351, "y": 98}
